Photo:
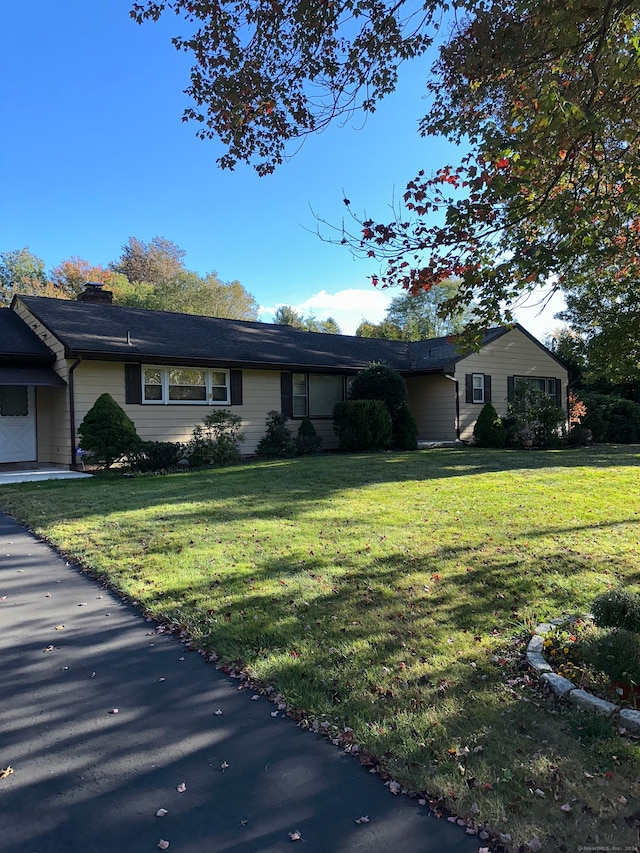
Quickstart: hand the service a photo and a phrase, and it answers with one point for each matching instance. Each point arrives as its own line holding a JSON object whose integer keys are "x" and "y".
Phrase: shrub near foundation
{"x": 363, "y": 425}
{"x": 107, "y": 433}
{"x": 489, "y": 431}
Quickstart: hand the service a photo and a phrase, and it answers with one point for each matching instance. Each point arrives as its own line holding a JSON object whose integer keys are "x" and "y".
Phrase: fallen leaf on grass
{"x": 162, "y": 844}
{"x": 181, "y": 788}
{"x": 535, "y": 844}
{"x": 296, "y": 835}
{"x": 363, "y": 819}
{"x": 622, "y": 800}
{"x": 161, "y": 812}
{"x": 6, "y": 772}
{"x": 566, "y": 808}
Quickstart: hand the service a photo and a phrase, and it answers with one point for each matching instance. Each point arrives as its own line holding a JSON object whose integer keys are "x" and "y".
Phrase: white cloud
{"x": 348, "y": 307}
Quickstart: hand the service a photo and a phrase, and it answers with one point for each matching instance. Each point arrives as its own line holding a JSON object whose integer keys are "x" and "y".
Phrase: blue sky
{"x": 93, "y": 151}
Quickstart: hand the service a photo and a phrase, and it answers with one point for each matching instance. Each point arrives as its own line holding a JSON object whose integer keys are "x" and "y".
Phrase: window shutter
{"x": 133, "y": 384}
{"x": 558, "y": 394}
{"x": 468, "y": 387}
{"x": 487, "y": 388}
{"x": 509, "y": 388}
{"x": 235, "y": 381}
{"x": 286, "y": 394}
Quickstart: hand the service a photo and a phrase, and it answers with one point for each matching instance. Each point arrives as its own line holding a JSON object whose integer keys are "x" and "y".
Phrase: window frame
{"x": 480, "y": 388}
{"x": 308, "y": 378}
{"x": 547, "y": 380}
{"x": 165, "y": 385}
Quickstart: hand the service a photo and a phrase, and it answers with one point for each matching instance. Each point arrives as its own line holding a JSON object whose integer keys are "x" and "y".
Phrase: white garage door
{"x": 17, "y": 424}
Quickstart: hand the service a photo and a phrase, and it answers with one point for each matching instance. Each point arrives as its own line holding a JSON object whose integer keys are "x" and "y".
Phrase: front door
{"x": 17, "y": 424}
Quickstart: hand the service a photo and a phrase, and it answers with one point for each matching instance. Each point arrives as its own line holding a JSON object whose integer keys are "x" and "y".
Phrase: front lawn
{"x": 394, "y": 594}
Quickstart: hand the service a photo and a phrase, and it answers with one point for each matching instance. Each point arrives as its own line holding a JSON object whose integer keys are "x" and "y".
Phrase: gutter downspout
{"x": 72, "y": 413}
{"x": 457, "y": 384}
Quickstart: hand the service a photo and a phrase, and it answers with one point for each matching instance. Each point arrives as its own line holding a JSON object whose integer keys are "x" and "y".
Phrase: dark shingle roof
{"x": 134, "y": 334}
{"x": 19, "y": 343}
{"x": 439, "y": 353}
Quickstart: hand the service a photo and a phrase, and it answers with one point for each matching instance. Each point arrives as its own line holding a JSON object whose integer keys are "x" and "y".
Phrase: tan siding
{"x": 432, "y": 401}
{"x": 513, "y": 354}
{"x": 260, "y": 392}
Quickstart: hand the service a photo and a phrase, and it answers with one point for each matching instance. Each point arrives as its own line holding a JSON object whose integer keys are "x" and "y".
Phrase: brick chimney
{"x": 94, "y": 292}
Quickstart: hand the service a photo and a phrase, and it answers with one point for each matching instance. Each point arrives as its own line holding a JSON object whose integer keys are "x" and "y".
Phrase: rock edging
{"x": 565, "y": 689}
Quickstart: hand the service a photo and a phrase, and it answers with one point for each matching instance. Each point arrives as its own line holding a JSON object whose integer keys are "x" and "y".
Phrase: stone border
{"x": 566, "y": 689}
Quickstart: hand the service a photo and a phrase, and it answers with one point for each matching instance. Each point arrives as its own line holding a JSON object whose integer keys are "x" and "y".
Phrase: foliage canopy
{"x": 542, "y": 94}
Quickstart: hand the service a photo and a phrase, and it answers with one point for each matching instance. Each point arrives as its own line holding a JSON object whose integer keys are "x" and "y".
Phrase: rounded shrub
{"x": 107, "y": 433}
{"x": 307, "y": 441}
{"x": 489, "y": 430}
{"x": 615, "y": 653}
{"x": 363, "y": 425}
{"x": 617, "y": 608}
{"x": 380, "y": 382}
{"x": 152, "y": 456}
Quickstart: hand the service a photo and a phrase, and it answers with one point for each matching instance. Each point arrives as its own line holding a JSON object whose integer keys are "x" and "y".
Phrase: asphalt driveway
{"x": 89, "y": 780}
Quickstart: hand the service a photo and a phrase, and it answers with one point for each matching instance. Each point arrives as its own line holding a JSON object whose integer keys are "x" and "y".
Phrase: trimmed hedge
{"x": 363, "y": 425}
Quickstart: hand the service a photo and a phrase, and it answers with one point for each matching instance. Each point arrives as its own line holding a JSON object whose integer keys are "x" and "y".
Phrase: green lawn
{"x": 393, "y": 594}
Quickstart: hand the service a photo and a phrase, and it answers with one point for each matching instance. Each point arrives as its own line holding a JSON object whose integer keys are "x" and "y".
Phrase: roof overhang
{"x": 30, "y": 375}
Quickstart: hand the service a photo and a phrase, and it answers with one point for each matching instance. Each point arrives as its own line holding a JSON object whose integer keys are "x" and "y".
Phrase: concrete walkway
{"x": 27, "y": 475}
{"x": 89, "y": 780}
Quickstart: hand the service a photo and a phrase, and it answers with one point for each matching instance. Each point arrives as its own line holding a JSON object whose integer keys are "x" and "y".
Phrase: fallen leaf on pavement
{"x": 114, "y": 711}
{"x": 181, "y": 788}
{"x": 58, "y": 627}
{"x": 224, "y": 765}
{"x": 48, "y": 649}
{"x": 161, "y": 812}
{"x": 162, "y": 844}
{"x": 218, "y": 713}
{"x": 363, "y": 819}
{"x": 6, "y": 772}
{"x": 296, "y": 835}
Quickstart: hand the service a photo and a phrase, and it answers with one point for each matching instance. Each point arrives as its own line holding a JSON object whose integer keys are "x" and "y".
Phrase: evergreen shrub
{"x": 277, "y": 441}
{"x": 152, "y": 456}
{"x": 308, "y": 441}
{"x": 363, "y": 425}
{"x": 405, "y": 429}
{"x": 107, "y": 433}
{"x": 489, "y": 430}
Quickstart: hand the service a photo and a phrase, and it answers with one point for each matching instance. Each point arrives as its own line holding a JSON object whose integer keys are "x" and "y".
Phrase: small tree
{"x": 489, "y": 431}
{"x": 216, "y": 440}
{"x": 277, "y": 441}
{"x": 307, "y": 441}
{"x": 107, "y": 432}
